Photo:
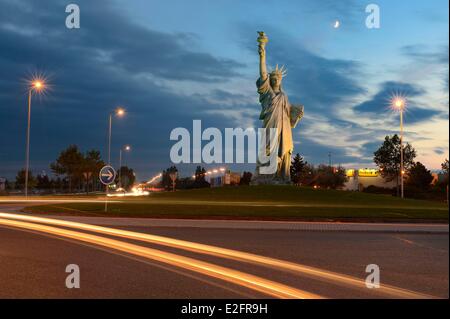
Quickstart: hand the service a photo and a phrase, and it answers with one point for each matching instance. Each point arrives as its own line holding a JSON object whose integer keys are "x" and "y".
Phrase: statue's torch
{"x": 262, "y": 39}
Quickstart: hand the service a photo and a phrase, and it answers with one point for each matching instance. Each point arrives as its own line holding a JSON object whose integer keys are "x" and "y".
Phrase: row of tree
{"x": 416, "y": 175}
{"x": 387, "y": 158}
{"x": 324, "y": 176}
{"x": 74, "y": 171}
{"x": 78, "y": 171}
{"x": 198, "y": 180}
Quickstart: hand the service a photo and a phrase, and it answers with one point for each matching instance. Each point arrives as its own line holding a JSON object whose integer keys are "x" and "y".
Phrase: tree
{"x": 200, "y": 174}
{"x": 246, "y": 178}
{"x": 69, "y": 163}
{"x": 445, "y": 170}
{"x": 387, "y": 158}
{"x": 166, "y": 181}
{"x": 8, "y": 185}
{"x": 61, "y": 184}
{"x": 308, "y": 176}
{"x": 200, "y": 178}
{"x": 92, "y": 164}
{"x": 20, "y": 180}
{"x": 330, "y": 177}
{"x": 297, "y": 167}
{"x": 78, "y": 168}
{"x": 127, "y": 177}
{"x": 419, "y": 176}
{"x": 445, "y": 166}
{"x": 43, "y": 182}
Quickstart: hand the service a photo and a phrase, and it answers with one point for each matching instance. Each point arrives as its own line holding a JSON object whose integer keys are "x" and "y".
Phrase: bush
{"x": 419, "y": 176}
{"x": 372, "y": 189}
{"x": 433, "y": 193}
{"x": 330, "y": 177}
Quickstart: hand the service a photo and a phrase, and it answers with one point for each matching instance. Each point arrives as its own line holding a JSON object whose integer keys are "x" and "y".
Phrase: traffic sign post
{"x": 107, "y": 176}
{"x": 173, "y": 176}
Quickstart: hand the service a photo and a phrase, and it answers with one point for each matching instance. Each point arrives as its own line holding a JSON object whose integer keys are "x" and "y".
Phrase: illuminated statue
{"x": 277, "y": 113}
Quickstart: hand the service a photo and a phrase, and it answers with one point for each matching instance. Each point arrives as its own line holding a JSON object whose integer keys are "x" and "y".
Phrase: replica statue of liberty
{"x": 278, "y": 114}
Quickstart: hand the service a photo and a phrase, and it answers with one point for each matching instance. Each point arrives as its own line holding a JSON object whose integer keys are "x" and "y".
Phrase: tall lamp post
{"x": 124, "y": 148}
{"x": 399, "y": 103}
{"x": 119, "y": 112}
{"x": 36, "y": 86}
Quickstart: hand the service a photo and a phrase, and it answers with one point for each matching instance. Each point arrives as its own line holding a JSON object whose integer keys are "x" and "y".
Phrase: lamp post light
{"x": 119, "y": 112}
{"x": 399, "y": 104}
{"x": 37, "y": 86}
{"x": 124, "y": 148}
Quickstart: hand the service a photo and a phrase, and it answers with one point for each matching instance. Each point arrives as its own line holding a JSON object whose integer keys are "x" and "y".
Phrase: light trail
{"x": 300, "y": 269}
{"x": 68, "y": 201}
{"x": 262, "y": 285}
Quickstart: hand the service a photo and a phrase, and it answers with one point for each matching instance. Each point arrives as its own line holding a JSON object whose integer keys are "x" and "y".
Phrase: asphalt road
{"x": 33, "y": 262}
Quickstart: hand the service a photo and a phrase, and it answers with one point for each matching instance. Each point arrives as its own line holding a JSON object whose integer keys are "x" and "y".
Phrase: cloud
{"x": 430, "y": 58}
{"x": 370, "y": 147}
{"x": 108, "y": 38}
{"x": 108, "y": 62}
{"x": 381, "y": 100}
{"x": 318, "y": 153}
{"x": 379, "y": 104}
{"x": 422, "y": 53}
{"x": 165, "y": 81}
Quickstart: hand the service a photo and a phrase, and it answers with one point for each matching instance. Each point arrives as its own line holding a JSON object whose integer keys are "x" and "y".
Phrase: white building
{"x": 358, "y": 179}
{"x": 222, "y": 178}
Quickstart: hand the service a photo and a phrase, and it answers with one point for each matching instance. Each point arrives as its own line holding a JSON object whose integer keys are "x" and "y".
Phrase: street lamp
{"x": 119, "y": 112}
{"x": 124, "y": 148}
{"x": 36, "y": 86}
{"x": 399, "y": 104}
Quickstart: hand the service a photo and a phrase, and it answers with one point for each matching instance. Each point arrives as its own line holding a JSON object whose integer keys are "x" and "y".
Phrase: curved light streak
{"x": 256, "y": 283}
{"x": 300, "y": 269}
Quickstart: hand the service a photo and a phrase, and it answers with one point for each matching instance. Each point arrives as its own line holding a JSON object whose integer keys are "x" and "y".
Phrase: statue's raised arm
{"x": 262, "y": 40}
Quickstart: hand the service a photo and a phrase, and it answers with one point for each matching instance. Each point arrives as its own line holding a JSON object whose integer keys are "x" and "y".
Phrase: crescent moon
{"x": 337, "y": 24}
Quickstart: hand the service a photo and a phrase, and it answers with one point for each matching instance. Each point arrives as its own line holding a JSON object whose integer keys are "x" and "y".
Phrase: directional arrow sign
{"x": 107, "y": 175}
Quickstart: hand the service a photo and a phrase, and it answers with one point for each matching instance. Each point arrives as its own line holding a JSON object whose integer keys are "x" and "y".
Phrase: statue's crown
{"x": 279, "y": 71}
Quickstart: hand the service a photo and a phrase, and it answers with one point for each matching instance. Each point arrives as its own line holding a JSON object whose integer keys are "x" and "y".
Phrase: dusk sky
{"x": 171, "y": 62}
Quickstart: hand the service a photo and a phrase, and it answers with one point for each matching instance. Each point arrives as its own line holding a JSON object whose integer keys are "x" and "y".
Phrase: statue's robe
{"x": 278, "y": 113}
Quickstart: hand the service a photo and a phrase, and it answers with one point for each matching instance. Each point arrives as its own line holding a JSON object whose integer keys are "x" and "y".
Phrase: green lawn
{"x": 262, "y": 202}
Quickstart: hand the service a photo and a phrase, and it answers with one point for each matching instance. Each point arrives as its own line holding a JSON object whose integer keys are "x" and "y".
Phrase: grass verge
{"x": 261, "y": 202}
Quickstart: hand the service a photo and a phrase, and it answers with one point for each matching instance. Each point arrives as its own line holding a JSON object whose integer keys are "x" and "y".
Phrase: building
{"x": 358, "y": 179}
{"x": 223, "y": 178}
